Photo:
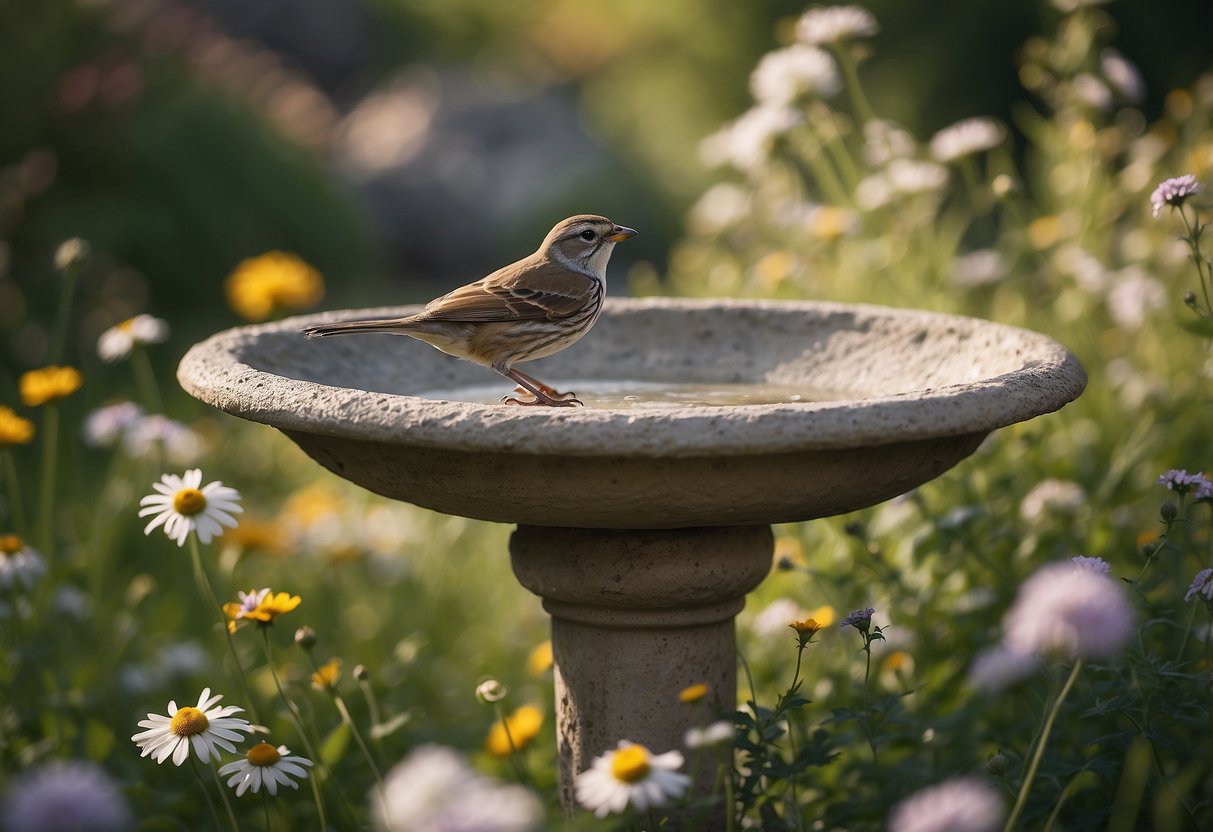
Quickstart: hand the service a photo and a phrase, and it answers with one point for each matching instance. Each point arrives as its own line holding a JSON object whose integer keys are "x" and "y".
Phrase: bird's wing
{"x": 548, "y": 290}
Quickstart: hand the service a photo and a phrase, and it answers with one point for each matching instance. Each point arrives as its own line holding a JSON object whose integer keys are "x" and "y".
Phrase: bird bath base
{"x": 643, "y": 527}
{"x": 637, "y": 617}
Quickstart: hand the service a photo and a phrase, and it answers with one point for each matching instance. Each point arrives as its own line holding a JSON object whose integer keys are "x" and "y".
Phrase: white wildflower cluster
{"x": 141, "y": 434}
{"x": 962, "y": 804}
{"x": 835, "y": 24}
{"x": 787, "y": 75}
{"x": 983, "y": 267}
{"x": 965, "y": 138}
{"x": 748, "y": 142}
{"x": 435, "y": 788}
{"x": 1052, "y": 496}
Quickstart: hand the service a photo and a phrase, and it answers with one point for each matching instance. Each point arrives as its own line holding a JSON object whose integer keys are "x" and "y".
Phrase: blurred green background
{"x": 406, "y": 147}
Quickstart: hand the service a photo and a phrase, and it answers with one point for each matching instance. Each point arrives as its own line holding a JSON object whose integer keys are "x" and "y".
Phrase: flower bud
{"x": 361, "y": 673}
{"x": 71, "y": 254}
{"x": 1169, "y": 512}
{"x": 997, "y": 764}
{"x": 490, "y": 691}
{"x": 305, "y": 637}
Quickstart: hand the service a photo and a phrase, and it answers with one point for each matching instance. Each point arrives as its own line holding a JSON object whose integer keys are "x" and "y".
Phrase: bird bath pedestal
{"x": 643, "y": 521}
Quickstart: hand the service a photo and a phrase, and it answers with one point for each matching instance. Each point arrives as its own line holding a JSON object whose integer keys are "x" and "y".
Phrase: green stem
{"x": 206, "y": 794}
{"x": 298, "y": 720}
{"x": 208, "y": 591}
{"x": 231, "y": 816}
{"x": 46, "y": 500}
{"x": 515, "y": 758}
{"x": 1038, "y": 753}
{"x": 145, "y": 380}
{"x": 859, "y": 101}
{"x": 14, "y": 492}
{"x": 867, "y": 720}
{"x": 265, "y": 803}
{"x": 63, "y": 314}
{"x": 366, "y": 752}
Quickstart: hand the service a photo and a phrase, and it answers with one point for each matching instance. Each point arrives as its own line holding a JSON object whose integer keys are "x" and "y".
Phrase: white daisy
{"x": 20, "y": 563}
{"x": 710, "y": 736}
{"x": 783, "y": 76}
{"x": 830, "y": 24}
{"x": 117, "y": 342}
{"x": 265, "y": 765}
{"x": 181, "y": 506}
{"x": 204, "y": 727}
{"x": 964, "y": 138}
{"x": 631, "y": 774}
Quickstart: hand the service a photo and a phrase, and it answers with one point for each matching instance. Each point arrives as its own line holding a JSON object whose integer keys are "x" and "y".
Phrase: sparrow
{"x": 529, "y": 309}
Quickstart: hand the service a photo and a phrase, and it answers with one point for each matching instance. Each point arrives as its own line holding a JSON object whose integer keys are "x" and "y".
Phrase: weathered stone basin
{"x": 643, "y": 524}
{"x": 911, "y": 393}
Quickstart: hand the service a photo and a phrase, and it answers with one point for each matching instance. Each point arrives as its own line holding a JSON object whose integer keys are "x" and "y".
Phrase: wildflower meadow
{"x": 202, "y": 629}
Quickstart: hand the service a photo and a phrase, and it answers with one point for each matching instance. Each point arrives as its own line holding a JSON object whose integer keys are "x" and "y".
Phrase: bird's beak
{"x": 621, "y": 232}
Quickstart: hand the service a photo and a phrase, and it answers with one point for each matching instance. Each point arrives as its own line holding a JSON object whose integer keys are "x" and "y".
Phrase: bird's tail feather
{"x": 397, "y": 326}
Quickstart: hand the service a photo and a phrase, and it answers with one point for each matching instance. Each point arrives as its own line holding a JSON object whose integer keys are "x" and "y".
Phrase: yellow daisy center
{"x": 10, "y": 544}
{"x": 189, "y": 722}
{"x": 189, "y": 501}
{"x": 631, "y": 764}
{"x": 263, "y": 754}
{"x": 126, "y": 326}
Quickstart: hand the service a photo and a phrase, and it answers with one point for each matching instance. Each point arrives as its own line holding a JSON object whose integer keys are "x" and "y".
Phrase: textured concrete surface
{"x": 918, "y": 392}
{"x": 636, "y": 618}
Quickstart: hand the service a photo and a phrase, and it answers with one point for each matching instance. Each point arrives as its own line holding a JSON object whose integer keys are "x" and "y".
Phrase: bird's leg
{"x": 535, "y": 389}
{"x": 550, "y": 391}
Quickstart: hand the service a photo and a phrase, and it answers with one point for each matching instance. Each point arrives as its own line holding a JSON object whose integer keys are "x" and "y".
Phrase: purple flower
{"x": 1173, "y": 192}
{"x": 962, "y": 804}
{"x": 1202, "y": 585}
{"x": 859, "y": 619}
{"x": 1077, "y": 613}
{"x": 65, "y": 795}
{"x": 1097, "y": 565}
{"x": 1179, "y": 480}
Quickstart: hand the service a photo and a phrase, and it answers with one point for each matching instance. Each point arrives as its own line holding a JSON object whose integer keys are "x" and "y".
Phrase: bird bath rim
{"x": 244, "y": 372}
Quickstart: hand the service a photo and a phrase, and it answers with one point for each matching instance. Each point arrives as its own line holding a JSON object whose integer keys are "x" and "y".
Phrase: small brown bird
{"x": 526, "y": 310}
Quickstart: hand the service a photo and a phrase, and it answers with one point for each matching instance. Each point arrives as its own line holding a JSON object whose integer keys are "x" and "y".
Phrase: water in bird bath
{"x": 605, "y": 394}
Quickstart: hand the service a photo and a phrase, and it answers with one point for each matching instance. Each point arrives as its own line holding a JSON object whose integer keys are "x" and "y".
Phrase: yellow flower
{"x": 275, "y": 280}
{"x": 13, "y": 429}
{"x": 49, "y": 383}
{"x": 267, "y": 608}
{"x": 325, "y": 678}
{"x": 806, "y": 629}
{"x": 693, "y": 693}
{"x": 540, "y": 660}
{"x": 523, "y": 725}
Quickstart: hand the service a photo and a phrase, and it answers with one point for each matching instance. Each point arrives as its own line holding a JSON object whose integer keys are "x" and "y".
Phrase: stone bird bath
{"x": 643, "y": 522}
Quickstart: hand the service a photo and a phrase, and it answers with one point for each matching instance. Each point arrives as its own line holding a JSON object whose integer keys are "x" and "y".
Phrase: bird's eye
{"x": 588, "y": 235}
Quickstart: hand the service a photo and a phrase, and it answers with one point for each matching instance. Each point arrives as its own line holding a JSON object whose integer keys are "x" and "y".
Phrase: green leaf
{"x": 335, "y": 744}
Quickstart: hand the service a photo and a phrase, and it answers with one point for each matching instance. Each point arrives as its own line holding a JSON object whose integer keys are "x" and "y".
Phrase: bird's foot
{"x": 549, "y": 392}
{"x": 566, "y": 400}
